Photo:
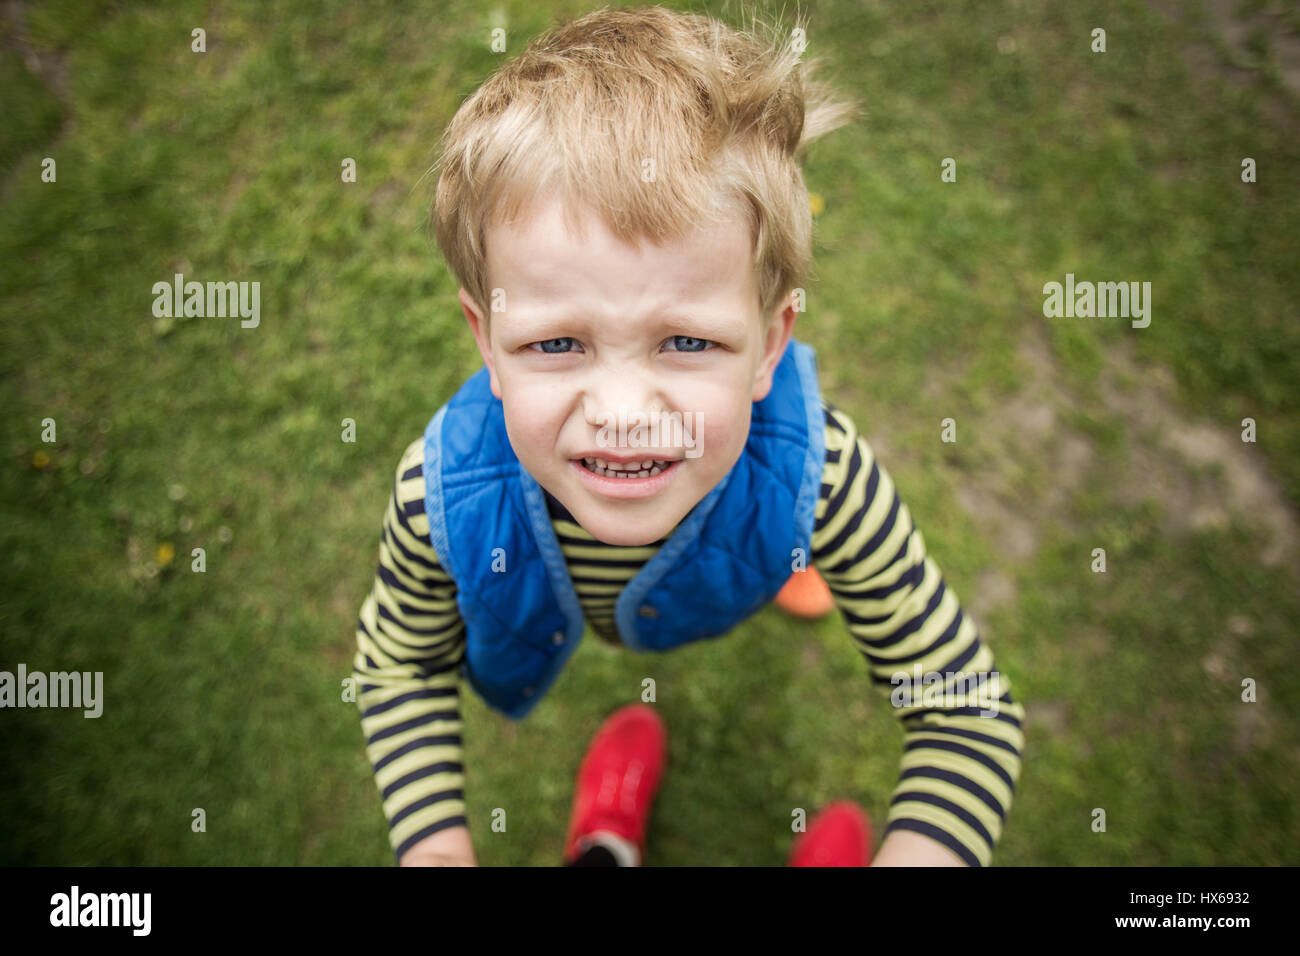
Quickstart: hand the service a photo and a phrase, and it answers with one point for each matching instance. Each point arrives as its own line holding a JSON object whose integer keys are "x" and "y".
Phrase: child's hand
{"x": 905, "y": 848}
{"x": 450, "y": 847}
{"x": 435, "y": 859}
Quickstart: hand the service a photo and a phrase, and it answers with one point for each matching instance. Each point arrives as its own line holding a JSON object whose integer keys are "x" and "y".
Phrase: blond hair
{"x": 724, "y": 116}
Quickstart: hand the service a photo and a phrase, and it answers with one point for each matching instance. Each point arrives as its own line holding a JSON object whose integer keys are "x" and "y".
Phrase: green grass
{"x": 223, "y": 688}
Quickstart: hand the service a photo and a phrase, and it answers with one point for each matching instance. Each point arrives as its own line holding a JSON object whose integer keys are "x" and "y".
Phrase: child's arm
{"x": 410, "y": 642}
{"x": 959, "y": 769}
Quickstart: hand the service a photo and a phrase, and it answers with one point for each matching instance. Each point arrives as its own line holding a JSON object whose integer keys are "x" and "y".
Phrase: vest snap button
{"x": 647, "y": 611}
{"x": 528, "y": 692}
{"x": 557, "y": 637}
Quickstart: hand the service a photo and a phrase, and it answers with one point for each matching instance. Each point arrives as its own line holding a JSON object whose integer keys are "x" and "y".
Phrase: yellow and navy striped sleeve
{"x": 959, "y": 769}
{"x": 410, "y": 642}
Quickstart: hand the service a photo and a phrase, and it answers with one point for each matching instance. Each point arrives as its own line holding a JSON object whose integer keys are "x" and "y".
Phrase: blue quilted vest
{"x": 725, "y": 560}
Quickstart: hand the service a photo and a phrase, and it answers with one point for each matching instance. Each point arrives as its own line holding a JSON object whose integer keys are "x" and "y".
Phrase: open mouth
{"x": 646, "y": 468}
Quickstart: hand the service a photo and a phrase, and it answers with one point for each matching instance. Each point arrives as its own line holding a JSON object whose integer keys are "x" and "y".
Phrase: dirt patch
{"x": 993, "y": 588}
{"x": 1223, "y": 51}
{"x": 1202, "y": 473}
{"x": 1011, "y": 532}
{"x": 48, "y": 67}
{"x": 1053, "y": 716}
{"x": 1034, "y": 464}
{"x": 1236, "y": 31}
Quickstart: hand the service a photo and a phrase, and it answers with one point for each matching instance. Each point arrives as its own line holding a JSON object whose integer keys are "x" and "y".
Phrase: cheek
{"x": 721, "y": 402}
{"x": 715, "y": 398}
{"x": 722, "y": 427}
{"x": 532, "y": 419}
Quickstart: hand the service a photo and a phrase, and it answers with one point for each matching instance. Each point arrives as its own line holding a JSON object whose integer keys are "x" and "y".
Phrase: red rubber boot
{"x": 618, "y": 778}
{"x": 838, "y": 836}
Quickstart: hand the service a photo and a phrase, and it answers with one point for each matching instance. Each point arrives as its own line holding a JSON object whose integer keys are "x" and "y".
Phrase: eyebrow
{"x": 706, "y": 324}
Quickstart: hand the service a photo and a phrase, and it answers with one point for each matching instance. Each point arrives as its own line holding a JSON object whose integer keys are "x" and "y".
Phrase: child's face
{"x": 591, "y": 327}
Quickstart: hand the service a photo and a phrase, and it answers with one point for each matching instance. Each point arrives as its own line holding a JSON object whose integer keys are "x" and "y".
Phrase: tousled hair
{"x": 724, "y": 115}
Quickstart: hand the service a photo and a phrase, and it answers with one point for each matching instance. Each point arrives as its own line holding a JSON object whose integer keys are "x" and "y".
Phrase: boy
{"x": 624, "y": 210}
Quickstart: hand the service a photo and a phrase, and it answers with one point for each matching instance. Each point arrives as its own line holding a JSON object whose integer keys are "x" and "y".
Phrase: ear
{"x": 779, "y": 328}
{"x": 479, "y": 326}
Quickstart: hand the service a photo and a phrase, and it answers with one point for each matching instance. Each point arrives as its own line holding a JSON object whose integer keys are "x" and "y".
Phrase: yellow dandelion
{"x": 165, "y": 553}
{"x": 816, "y": 203}
{"x": 40, "y": 459}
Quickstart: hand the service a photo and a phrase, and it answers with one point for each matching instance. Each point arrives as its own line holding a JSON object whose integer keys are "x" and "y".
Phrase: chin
{"x": 626, "y": 537}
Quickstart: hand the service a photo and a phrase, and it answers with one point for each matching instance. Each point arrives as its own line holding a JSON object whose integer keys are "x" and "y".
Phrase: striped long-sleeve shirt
{"x": 959, "y": 768}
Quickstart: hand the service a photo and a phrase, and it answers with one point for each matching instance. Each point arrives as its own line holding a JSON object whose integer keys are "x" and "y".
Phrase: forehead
{"x": 541, "y": 254}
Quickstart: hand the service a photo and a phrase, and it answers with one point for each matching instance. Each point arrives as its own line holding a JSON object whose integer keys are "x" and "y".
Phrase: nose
{"x": 608, "y": 391}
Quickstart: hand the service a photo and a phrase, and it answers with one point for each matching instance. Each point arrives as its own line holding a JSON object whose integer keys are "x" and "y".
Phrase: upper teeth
{"x": 629, "y": 469}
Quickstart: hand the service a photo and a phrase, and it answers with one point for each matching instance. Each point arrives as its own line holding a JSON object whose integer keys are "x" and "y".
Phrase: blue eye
{"x": 547, "y": 342}
{"x": 703, "y": 343}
